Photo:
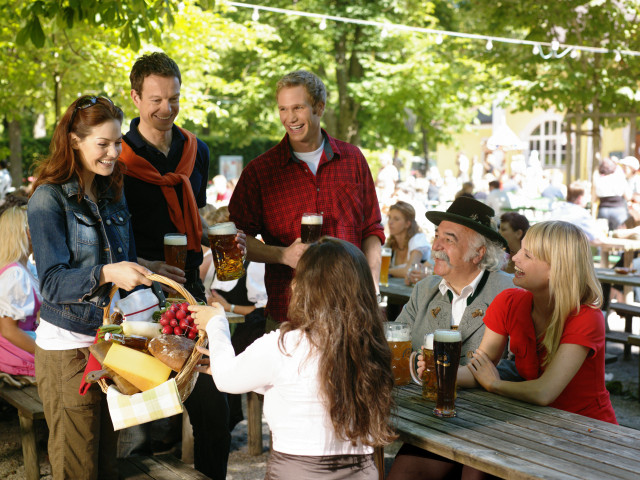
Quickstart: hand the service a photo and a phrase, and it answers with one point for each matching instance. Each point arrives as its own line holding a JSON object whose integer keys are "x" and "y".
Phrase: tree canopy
{"x": 386, "y": 87}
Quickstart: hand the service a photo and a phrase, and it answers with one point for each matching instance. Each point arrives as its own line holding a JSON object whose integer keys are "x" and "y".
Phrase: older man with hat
{"x": 468, "y": 254}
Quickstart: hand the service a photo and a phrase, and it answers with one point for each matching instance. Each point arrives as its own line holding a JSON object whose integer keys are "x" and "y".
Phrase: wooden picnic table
{"x": 396, "y": 292}
{"x": 516, "y": 440}
{"x": 626, "y": 246}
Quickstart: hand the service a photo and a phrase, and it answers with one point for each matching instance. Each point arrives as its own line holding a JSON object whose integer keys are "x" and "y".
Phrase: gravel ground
{"x": 622, "y": 383}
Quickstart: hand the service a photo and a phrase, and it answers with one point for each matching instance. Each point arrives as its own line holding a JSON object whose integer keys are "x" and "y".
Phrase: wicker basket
{"x": 186, "y": 378}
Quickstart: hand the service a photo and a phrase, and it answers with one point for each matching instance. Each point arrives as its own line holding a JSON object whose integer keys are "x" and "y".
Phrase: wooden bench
{"x": 157, "y": 467}
{"x": 29, "y": 406}
{"x": 626, "y": 311}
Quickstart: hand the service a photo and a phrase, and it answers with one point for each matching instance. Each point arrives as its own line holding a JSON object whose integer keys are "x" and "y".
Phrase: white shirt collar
{"x": 466, "y": 291}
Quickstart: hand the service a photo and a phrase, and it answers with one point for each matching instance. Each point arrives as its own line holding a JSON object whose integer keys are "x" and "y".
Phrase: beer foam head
{"x": 311, "y": 219}
{"x": 226, "y": 228}
{"x": 428, "y": 341}
{"x": 175, "y": 239}
{"x": 386, "y": 252}
{"x": 397, "y": 331}
{"x": 447, "y": 336}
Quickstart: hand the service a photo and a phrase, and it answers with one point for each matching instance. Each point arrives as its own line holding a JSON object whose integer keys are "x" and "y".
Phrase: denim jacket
{"x": 72, "y": 241}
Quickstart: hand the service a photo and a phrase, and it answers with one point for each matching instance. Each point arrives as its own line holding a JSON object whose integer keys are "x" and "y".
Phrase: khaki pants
{"x": 82, "y": 443}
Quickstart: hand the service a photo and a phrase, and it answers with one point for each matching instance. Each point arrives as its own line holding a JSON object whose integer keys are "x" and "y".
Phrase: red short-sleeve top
{"x": 510, "y": 315}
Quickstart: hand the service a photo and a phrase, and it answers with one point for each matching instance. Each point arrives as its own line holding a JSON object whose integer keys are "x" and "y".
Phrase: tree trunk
{"x": 15, "y": 145}
{"x": 347, "y": 69}
{"x": 425, "y": 146}
{"x": 56, "y": 96}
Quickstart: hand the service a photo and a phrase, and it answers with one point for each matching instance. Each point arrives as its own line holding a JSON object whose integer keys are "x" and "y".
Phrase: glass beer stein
{"x": 175, "y": 250}
{"x": 398, "y": 336}
{"x": 227, "y": 256}
{"x": 311, "y": 227}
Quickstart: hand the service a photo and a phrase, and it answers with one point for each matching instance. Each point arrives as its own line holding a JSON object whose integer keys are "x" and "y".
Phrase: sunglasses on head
{"x": 86, "y": 102}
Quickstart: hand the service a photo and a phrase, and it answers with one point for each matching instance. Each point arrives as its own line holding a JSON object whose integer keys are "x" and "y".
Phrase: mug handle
{"x": 413, "y": 367}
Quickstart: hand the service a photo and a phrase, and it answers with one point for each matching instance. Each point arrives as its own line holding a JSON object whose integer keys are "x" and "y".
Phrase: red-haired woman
{"x": 82, "y": 244}
{"x": 324, "y": 374}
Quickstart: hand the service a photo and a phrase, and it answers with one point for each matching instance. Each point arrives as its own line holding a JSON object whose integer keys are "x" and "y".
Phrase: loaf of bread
{"x": 172, "y": 350}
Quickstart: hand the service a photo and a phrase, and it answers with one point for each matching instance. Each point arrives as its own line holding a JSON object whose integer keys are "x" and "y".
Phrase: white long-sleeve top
{"x": 299, "y": 422}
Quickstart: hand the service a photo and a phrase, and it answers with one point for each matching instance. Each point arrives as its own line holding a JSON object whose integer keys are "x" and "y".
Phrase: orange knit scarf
{"x": 188, "y": 221}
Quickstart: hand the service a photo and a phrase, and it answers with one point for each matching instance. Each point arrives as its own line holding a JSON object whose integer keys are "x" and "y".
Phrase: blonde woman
{"x": 19, "y": 295}
{"x": 554, "y": 326}
{"x": 555, "y": 329}
{"x": 408, "y": 243}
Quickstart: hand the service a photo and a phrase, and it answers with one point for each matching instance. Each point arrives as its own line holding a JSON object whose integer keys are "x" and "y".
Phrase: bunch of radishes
{"x": 176, "y": 319}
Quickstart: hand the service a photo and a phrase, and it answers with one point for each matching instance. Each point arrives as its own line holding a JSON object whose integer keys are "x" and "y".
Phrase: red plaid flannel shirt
{"x": 276, "y": 188}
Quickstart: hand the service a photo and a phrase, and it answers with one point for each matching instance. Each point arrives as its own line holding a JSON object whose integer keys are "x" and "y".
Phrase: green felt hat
{"x": 470, "y": 213}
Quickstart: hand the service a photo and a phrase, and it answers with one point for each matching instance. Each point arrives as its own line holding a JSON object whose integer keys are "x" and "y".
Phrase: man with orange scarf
{"x": 165, "y": 184}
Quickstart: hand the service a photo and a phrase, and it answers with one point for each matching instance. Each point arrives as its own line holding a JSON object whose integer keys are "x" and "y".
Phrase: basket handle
{"x": 106, "y": 318}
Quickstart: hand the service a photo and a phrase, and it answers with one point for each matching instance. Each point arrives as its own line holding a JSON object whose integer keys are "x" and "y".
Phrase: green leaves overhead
{"x": 134, "y": 19}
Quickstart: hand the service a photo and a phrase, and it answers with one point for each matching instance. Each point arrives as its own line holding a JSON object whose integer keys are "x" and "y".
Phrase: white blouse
{"x": 17, "y": 299}
{"x": 417, "y": 242}
{"x": 298, "y": 419}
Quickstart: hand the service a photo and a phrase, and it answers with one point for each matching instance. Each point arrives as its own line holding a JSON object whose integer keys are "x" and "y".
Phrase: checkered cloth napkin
{"x": 159, "y": 402}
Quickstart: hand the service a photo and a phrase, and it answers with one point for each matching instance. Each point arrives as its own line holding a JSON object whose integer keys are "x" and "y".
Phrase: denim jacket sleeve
{"x": 68, "y": 266}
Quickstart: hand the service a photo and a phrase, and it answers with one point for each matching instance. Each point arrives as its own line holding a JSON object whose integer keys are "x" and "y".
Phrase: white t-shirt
{"x": 52, "y": 337}
{"x": 312, "y": 159}
{"x": 298, "y": 420}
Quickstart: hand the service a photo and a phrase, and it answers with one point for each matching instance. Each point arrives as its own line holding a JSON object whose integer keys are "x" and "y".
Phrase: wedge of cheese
{"x": 142, "y": 370}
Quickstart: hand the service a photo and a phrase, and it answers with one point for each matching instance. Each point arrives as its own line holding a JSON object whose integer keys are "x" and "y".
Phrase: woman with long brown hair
{"x": 82, "y": 244}
{"x": 325, "y": 374}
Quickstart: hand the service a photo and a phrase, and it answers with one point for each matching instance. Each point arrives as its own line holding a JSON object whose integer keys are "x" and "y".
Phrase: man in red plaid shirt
{"x": 308, "y": 171}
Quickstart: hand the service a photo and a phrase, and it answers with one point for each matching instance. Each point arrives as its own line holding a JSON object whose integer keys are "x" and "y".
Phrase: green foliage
{"x": 134, "y": 19}
{"x": 589, "y": 82}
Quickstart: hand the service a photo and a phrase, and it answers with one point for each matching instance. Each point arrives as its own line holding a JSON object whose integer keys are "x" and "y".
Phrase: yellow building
{"x": 540, "y": 131}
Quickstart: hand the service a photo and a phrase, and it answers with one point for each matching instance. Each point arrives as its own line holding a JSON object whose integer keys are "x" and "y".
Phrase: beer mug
{"x": 311, "y": 227}
{"x": 447, "y": 345}
{"x": 175, "y": 250}
{"x": 384, "y": 266}
{"x": 428, "y": 380}
{"x": 398, "y": 336}
{"x": 227, "y": 256}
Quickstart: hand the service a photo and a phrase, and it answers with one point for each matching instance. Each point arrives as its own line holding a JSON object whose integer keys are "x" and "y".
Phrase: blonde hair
{"x": 15, "y": 240}
{"x": 572, "y": 279}
{"x": 221, "y": 215}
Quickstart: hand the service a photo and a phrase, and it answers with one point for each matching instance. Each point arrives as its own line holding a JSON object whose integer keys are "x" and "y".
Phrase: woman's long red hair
{"x": 63, "y": 162}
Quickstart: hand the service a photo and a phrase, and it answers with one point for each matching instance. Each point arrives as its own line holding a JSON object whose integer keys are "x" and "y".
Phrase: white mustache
{"x": 440, "y": 255}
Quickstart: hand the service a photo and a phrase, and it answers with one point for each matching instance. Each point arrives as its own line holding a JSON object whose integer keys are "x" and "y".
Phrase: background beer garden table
{"x": 396, "y": 292}
{"x": 517, "y": 440}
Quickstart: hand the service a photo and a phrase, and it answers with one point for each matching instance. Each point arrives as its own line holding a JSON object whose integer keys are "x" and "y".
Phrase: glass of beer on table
{"x": 384, "y": 266}
{"x": 428, "y": 379}
{"x": 447, "y": 345}
{"x": 175, "y": 250}
{"x": 311, "y": 227}
{"x": 398, "y": 336}
{"x": 227, "y": 256}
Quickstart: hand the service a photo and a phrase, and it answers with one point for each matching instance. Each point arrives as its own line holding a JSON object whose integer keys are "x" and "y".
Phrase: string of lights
{"x": 556, "y": 49}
